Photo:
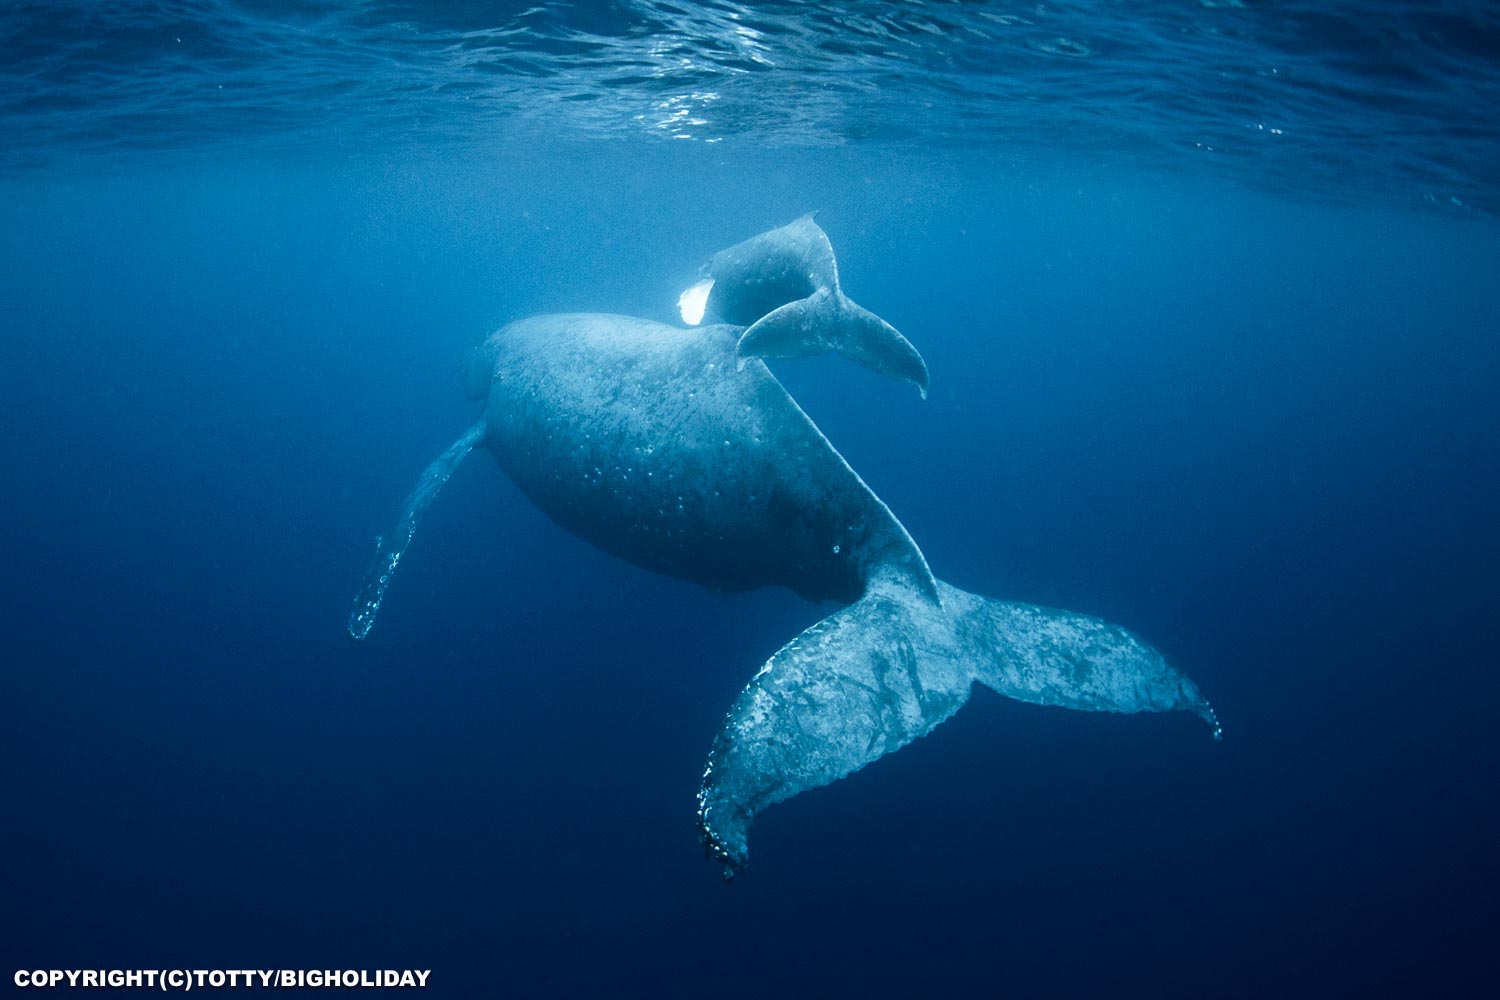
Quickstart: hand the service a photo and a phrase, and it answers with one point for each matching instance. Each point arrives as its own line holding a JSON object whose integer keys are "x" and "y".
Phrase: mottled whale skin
{"x": 671, "y": 449}
{"x": 653, "y": 443}
{"x": 783, "y": 287}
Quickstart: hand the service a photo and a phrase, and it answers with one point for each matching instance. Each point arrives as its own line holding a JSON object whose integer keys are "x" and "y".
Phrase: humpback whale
{"x": 680, "y": 452}
{"x": 783, "y": 287}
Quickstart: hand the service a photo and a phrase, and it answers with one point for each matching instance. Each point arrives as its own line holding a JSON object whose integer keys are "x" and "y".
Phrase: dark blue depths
{"x": 1258, "y": 428}
{"x": 1260, "y": 432}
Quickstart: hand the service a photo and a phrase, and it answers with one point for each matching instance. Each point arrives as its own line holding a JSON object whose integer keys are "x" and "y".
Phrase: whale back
{"x": 664, "y": 448}
{"x": 767, "y": 271}
{"x": 783, "y": 286}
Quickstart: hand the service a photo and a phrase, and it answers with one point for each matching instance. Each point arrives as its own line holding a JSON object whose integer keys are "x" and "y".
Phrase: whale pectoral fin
{"x": 392, "y": 545}
{"x": 850, "y": 689}
{"x": 828, "y": 320}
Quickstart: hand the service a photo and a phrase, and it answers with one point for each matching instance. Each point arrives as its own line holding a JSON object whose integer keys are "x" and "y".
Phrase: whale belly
{"x": 652, "y": 443}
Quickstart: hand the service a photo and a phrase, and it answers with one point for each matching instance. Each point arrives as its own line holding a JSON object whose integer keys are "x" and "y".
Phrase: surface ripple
{"x": 1346, "y": 100}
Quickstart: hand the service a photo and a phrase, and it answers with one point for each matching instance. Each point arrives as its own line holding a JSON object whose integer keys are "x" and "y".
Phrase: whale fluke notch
{"x": 783, "y": 285}
{"x": 392, "y": 545}
{"x": 887, "y": 669}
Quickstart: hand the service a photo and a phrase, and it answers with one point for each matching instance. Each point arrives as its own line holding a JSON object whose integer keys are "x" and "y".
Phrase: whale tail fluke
{"x": 828, "y": 320}
{"x": 883, "y": 671}
{"x": 392, "y": 545}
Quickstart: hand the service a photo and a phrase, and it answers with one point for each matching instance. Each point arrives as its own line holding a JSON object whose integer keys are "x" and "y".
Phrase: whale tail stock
{"x": 828, "y": 320}
{"x": 877, "y": 674}
{"x": 392, "y": 545}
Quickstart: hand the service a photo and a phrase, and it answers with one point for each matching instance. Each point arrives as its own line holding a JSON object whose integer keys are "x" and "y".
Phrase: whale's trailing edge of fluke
{"x": 877, "y": 674}
{"x": 783, "y": 285}
{"x": 828, "y": 320}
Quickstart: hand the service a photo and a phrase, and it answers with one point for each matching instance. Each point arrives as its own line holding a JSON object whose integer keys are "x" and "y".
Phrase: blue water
{"x": 1208, "y": 295}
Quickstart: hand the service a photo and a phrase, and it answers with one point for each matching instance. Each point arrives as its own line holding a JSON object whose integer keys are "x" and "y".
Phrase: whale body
{"x": 654, "y": 444}
{"x": 671, "y": 449}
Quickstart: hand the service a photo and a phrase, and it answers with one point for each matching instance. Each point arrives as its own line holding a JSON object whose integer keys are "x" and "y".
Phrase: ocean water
{"x": 1210, "y": 296}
